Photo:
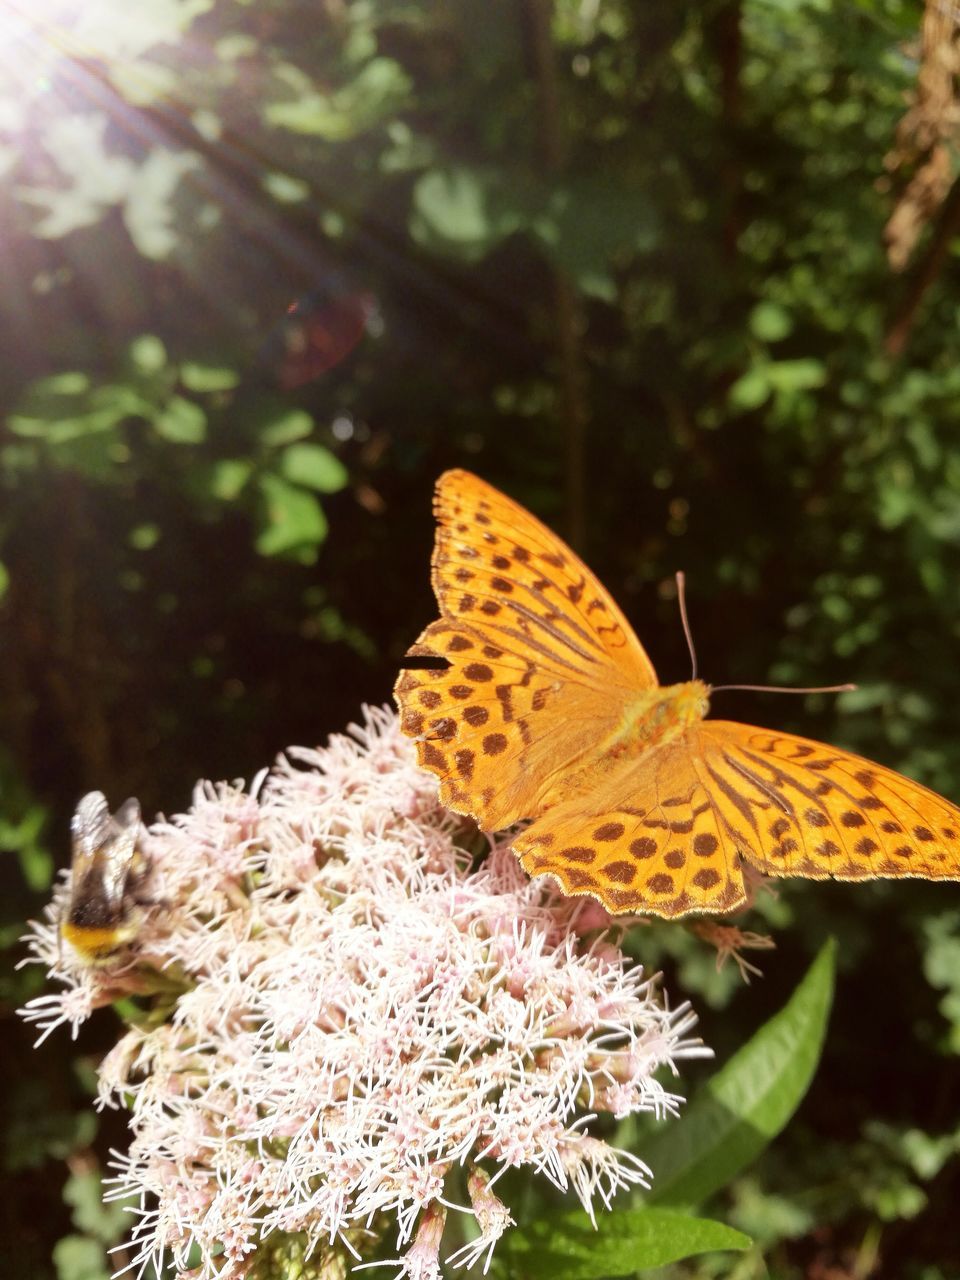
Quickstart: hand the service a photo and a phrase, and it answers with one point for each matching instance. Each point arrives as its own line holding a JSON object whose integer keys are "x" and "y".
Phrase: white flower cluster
{"x": 358, "y": 1023}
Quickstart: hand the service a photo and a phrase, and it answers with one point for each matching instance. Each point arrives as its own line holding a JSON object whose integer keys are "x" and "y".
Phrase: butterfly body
{"x": 651, "y": 720}
{"x": 546, "y": 707}
{"x": 656, "y": 717}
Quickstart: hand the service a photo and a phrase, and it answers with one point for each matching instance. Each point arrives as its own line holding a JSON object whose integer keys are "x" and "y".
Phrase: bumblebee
{"x": 107, "y": 871}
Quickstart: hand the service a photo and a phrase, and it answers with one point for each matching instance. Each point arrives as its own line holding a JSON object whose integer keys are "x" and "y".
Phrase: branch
{"x": 925, "y": 273}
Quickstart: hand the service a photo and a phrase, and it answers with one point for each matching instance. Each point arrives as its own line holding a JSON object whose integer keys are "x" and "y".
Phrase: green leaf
{"x": 628, "y": 1240}
{"x": 896, "y": 503}
{"x": 22, "y": 836}
{"x": 77, "y": 1258}
{"x": 453, "y": 206}
{"x": 941, "y": 965}
{"x": 228, "y": 477}
{"x": 587, "y": 225}
{"x": 466, "y": 211}
{"x": 314, "y": 467}
{"x": 4, "y": 580}
{"x": 84, "y": 1193}
{"x": 181, "y": 421}
{"x": 283, "y": 428}
{"x": 294, "y": 519}
{"x": 58, "y": 410}
{"x": 748, "y": 1101}
{"x": 148, "y": 354}
{"x": 208, "y": 377}
{"x": 796, "y": 375}
{"x": 379, "y": 89}
{"x": 49, "y": 400}
{"x": 62, "y": 384}
{"x": 143, "y": 537}
{"x": 36, "y": 866}
{"x": 67, "y": 429}
{"x": 767, "y": 1216}
{"x": 284, "y": 188}
{"x": 238, "y": 45}
{"x": 770, "y": 322}
{"x": 750, "y": 390}
{"x": 148, "y": 210}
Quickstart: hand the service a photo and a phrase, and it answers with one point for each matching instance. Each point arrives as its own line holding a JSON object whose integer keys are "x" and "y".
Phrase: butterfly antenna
{"x": 682, "y": 598}
{"x": 747, "y": 688}
{"x": 781, "y": 688}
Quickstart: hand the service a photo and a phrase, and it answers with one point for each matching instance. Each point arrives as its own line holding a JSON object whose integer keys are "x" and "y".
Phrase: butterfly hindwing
{"x": 668, "y": 834}
{"x": 648, "y": 840}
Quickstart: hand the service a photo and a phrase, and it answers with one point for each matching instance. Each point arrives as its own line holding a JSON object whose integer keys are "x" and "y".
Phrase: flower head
{"x": 354, "y": 1009}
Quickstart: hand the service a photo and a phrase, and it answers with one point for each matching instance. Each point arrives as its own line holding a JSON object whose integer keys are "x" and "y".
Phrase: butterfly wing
{"x": 801, "y": 808}
{"x": 524, "y": 583}
{"x": 541, "y": 660}
{"x": 650, "y": 840}
{"x": 667, "y": 835}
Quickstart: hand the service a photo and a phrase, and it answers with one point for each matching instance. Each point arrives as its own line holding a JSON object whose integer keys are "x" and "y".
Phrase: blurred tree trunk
{"x": 724, "y": 36}
{"x": 569, "y": 317}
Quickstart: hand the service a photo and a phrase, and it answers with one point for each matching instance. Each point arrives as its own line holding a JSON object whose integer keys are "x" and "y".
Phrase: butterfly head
{"x": 691, "y": 700}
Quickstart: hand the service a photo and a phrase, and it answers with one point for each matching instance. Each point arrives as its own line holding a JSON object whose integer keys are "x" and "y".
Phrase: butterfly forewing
{"x": 498, "y": 568}
{"x": 541, "y": 659}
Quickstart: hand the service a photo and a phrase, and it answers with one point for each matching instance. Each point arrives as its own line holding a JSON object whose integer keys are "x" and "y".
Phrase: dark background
{"x": 683, "y": 279}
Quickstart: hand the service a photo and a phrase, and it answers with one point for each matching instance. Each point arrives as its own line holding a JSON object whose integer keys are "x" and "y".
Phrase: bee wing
{"x": 89, "y": 829}
{"x": 104, "y": 845}
{"x": 125, "y": 823}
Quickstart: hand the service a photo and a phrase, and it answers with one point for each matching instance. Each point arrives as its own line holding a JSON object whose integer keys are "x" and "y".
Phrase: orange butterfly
{"x": 538, "y": 701}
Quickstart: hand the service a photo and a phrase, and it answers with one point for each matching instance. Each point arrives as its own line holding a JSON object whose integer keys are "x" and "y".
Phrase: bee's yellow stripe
{"x": 93, "y": 944}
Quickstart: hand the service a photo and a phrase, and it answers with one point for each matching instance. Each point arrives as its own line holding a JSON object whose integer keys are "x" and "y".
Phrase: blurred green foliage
{"x": 634, "y": 246}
